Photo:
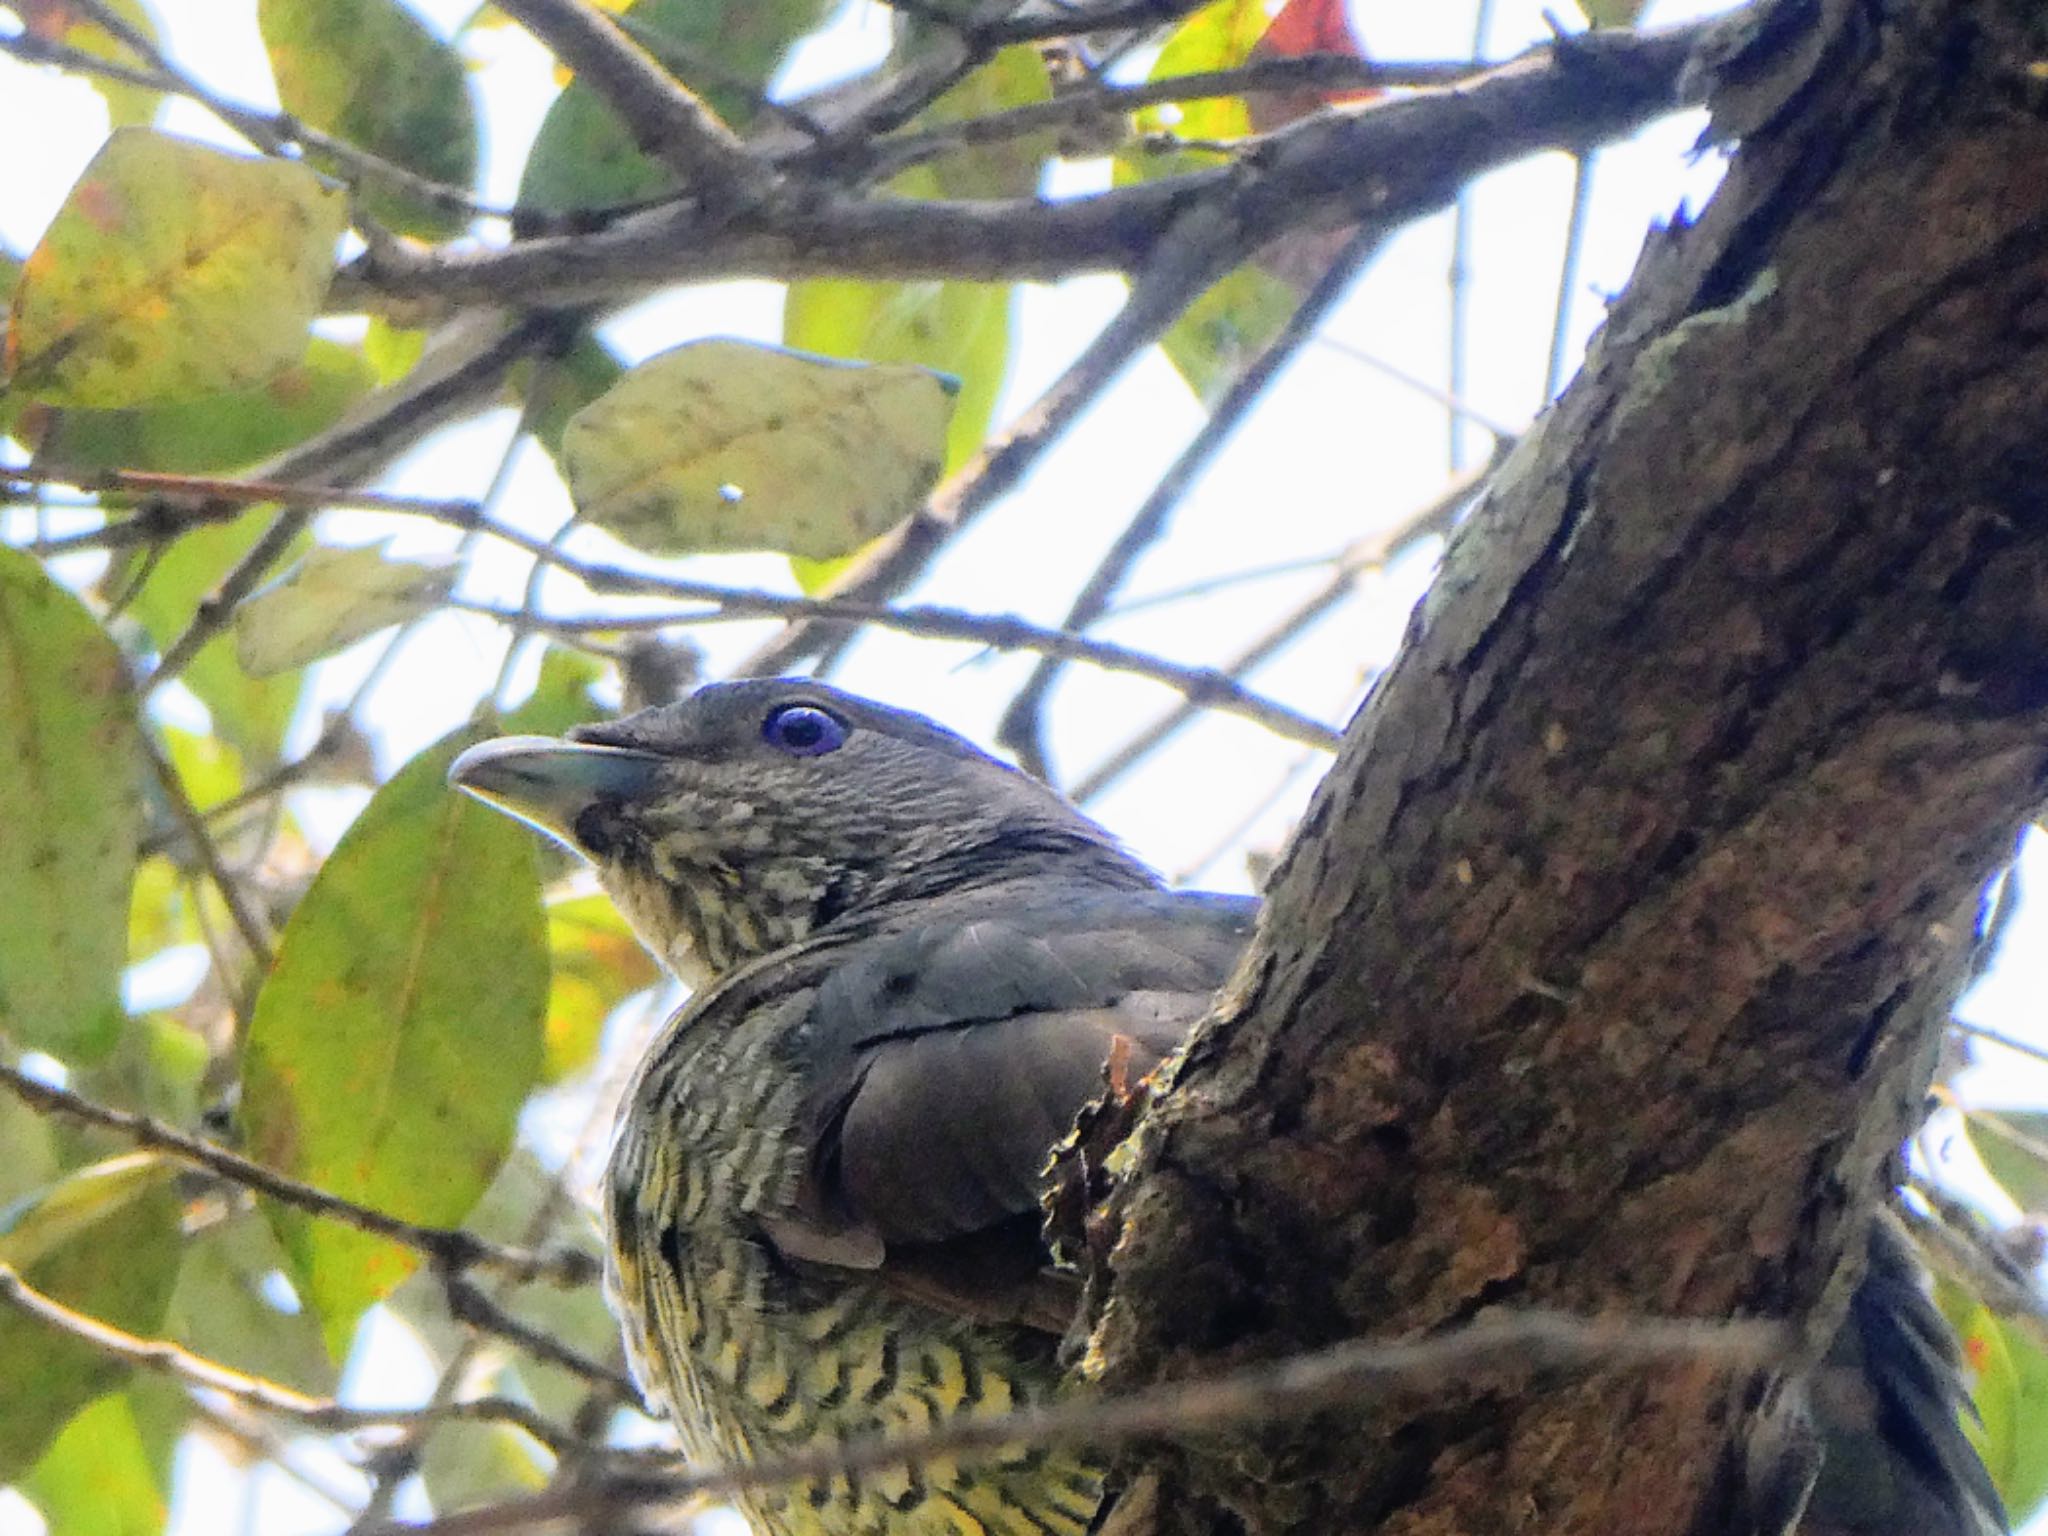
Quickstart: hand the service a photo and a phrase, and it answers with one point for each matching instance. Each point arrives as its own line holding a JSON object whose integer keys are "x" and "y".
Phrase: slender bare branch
{"x": 1509, "y": 1347}
{"x": 1434, "y": 517}
{"x": 1389, "y": 161}
{"x": 466, "y": 363}
{"x": 1206, "y": 247}
{"x": 449, "y": 1248}
{"x": 165, "y": 1358}
{"x": 668, "y": 119}
{"x": 1022, "y": 728}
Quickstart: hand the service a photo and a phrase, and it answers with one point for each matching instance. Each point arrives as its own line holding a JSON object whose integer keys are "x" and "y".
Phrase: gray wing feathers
{"x": 949, "y": 1057}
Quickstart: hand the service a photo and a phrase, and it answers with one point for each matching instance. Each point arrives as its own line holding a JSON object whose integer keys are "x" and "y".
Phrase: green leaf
{"x": 727, "y": 445}
{"x": 400, "y": 1030}
{"x": 556, "y": 388}
{"x": 70, "y": 800}
{"x": 1015, "y": 77}
{"x": 218, "y": 432}
{"x": 1241, "y": 313}
{"x": 468, "y": 1464}
{"x": 392, "y": 351}
{"x": 958, "y": 328}
{"x": 560, "y": 698}
{"x": 209, "y": 768}
{"x": 2014, "y": 1149}
{"x": 1219, "y": 36}
{"x": 32, "y": 1158}
{"x": 598, "y": 963}
{"x": 1219, "y": 335}
{"x": 103, "y": 1242}
{"x": 97, "y": 1478}
{"x": 251, "y": 712}
{"x": 332, "y": 598}
{"x": 575, "y": 1315}
{"x": 368, "y": 72}
{"x": 172, "y": 270}
{"x": 1612, "y": 13}
{"x": 725, "y": 50}
{"x": 63, "y": 21}
{"x": 220, "y": 1309}
{"x": 2010, "y": 1389}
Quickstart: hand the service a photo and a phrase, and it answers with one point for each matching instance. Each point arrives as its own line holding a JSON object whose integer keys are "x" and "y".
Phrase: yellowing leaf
{"x": 70, "y": 806}
{"x": 172, "y": 270}
{"x": 96, "y": 1479}
{"x": 400, "y": 1030}
{"x": 726, "y": 445}
{"x": 217, "y": 432}
{"x": 368, "y": 72}
{"x": 1242, "y": 312}
{"x": 1612, "y": 13}
{"x": 2009, "y": 1386}
{"x": 597, "y": 964}
{"x": 103, "y": 1241}
{"x": 961, "y": 329}
{"x": 331, "y": 599}
{"x": 2014, "y": 1147}
{"x": 1223, "y": 332}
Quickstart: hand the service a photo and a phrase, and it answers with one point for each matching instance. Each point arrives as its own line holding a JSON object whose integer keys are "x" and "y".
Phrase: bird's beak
{"x": 549, "y": 783}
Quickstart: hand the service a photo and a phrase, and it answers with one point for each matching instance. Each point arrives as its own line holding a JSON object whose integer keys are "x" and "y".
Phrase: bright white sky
{"x": 1338, "y": 449}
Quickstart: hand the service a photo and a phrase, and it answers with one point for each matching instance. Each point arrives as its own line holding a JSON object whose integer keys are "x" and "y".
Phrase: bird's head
{"x": 750, "y": 814}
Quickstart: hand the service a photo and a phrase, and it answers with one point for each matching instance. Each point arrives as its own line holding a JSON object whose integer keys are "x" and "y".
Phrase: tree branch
{"x": 664, "y": 115}
{"x": 1609, "y": 967}
{"x": 1495, "y": 1349}
{"x": 324, "y": 1414}
{"x": 1388, "y": 162}
{"x": 1022, "y": 727}
{"x": 450, "y": 1249}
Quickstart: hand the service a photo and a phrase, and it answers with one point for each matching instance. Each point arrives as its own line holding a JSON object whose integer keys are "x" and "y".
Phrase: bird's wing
{"x": 947, "y": 1058}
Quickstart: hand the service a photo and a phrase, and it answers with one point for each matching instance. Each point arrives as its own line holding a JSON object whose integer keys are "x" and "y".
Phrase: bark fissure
{"x": 1607, "y": 966}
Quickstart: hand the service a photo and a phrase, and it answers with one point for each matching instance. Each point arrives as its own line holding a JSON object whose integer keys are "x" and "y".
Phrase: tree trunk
{"x": 1607, "y": 968}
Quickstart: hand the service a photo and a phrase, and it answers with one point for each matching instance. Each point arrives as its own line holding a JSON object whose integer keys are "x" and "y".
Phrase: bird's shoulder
{"x": 946, "y": 1050}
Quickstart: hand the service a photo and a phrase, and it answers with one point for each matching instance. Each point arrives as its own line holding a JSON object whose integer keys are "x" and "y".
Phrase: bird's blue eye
{"x": 803, "y": 730}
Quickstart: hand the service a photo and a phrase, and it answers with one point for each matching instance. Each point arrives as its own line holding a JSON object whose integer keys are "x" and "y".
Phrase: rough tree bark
{"x": 1606, "y": 971}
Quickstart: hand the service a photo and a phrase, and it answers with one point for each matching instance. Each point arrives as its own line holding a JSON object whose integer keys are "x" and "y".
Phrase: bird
{"x": 910, "y": 964}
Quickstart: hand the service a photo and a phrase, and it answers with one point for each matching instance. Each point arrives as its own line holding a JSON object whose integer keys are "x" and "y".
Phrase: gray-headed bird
{"x": 910, "y": 966}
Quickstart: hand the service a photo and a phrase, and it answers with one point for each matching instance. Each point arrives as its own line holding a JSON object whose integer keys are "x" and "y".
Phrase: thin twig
{"x": 180, "y": 503}
{"x": 1325, "y": 71}
{"x": 1203, "y": 687}
{"x": 1207, "y": 245}
{"x": 668, "y": 119}
{"x": 259, "y": 1440}
{"x": 1459, "y": 277}
{"x": 470, "y": 1304}
{"x": 478, "y": 351}
{"x": 1568, "y": 273}
{"x": 254, "y": 932}
{"x": 165, "y": 1358}
{"x": 1995, "y": 1037}
{"x": 1356, "y": 1374}
{"x": 448, "y": 1247}
{"x": 1432, "y": 518}
{"x": 272, "y": 132}
{"x": 1457, "y": 405}
{"x": 1022, "y": 728}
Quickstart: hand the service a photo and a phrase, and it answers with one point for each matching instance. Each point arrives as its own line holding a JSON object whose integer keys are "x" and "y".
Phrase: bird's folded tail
{"x": 1883, "y": 1417}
